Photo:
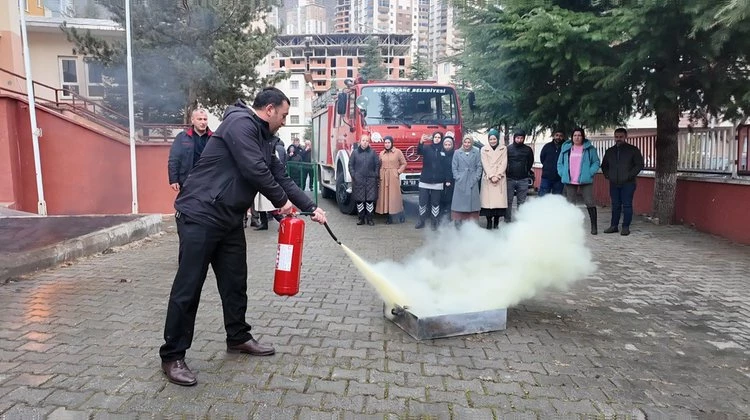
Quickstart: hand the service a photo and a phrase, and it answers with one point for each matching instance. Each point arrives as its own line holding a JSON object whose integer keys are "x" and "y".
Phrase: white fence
{"x": 703, "y": 150}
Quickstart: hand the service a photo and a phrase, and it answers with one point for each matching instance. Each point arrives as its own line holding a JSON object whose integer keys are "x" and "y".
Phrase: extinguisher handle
{"x": 328, "y": 228}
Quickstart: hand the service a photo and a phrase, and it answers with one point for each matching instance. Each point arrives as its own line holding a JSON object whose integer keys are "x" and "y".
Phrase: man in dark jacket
{"x": 520, "y": 162}
{"x": 187, "y": 148}
{"x": 364, "y": 168}
{"x": 621, "y": 165}
{"x": 237, "y": 163}
{"x": 307, "y": 171}
{"x": 551, "y": 181}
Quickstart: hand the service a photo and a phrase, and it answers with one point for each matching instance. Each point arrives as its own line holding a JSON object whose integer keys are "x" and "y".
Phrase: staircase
{"x": 86, "y": 111}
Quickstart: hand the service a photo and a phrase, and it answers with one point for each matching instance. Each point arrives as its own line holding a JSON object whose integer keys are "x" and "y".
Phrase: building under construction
{"x": 329, "y": 59}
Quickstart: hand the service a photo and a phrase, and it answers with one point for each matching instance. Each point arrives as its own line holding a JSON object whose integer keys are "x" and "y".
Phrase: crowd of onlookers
{"x": 458, "y": 182}
{"x": 463, "y": 183}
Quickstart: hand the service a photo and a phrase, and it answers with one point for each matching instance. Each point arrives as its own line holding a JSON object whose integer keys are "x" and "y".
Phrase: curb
{"x": 81, "y": 246}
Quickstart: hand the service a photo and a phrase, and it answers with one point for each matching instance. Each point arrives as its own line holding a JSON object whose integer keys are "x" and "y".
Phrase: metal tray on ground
{"x": 449, "y": 325}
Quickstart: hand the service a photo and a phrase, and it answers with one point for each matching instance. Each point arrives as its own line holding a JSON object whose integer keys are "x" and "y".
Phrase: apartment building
{"x": 307, "y": 18}
{"x": 430, "y": 23}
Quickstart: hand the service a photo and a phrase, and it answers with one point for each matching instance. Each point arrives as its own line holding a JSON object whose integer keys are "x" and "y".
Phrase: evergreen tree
{"x": 418, "y": 69}
{"x": 185, "y": 54}
{"x": 372, "y": 67}
{"x": 560, "y": 63}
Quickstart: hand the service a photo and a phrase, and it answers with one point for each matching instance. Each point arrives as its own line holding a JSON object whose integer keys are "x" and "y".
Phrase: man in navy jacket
{"x": 551, "y": 182}
{"x": 187, "y": 148}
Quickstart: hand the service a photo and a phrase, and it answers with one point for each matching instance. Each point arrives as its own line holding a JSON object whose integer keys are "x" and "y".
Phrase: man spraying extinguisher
{"x": 237, "y": 163}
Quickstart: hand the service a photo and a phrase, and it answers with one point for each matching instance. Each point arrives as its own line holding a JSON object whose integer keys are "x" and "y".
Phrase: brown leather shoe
{"x": 253, "y": 347}
{"x": 179, "y": 373}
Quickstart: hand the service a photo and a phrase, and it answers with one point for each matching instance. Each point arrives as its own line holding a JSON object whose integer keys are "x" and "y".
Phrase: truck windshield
{"x": 410, "y": 105}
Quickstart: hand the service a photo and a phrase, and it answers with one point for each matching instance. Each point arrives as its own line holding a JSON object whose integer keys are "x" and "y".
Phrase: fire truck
{"x": 403, "y": 109}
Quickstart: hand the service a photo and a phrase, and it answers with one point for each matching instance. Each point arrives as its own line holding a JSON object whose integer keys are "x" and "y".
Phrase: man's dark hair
{"x": 622, "y": 130}
{"x": 559, "y": 130}
{"x": 270, "y": 95}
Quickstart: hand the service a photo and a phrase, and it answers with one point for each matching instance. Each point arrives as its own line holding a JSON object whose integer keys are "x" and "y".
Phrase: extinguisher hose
{"x": 330, "y": 232}
{"x": 328, "y": 228}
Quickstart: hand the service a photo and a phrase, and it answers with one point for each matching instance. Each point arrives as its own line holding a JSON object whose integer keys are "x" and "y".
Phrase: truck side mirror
{"x": 341, "y": 101}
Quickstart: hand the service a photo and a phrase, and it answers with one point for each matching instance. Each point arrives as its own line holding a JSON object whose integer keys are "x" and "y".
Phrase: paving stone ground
{"x": 662, "y": 330}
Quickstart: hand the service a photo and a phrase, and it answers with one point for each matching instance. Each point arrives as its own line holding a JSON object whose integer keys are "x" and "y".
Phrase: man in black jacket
{"x": 551, "y": 181}
{"x": 520, "y": 162}
{"x": 621, "y": 165}
{"x": 238, "y": 162}
{"x": 187, "y": 148}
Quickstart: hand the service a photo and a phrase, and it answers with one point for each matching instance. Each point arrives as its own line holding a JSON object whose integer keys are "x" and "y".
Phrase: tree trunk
{"x": 665, "y": 182}
{"x": 192, "y": 104}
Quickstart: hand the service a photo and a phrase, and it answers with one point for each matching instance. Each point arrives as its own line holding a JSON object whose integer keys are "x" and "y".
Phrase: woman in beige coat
{"x": 493, "y": 193}
{"x": 392, "y": 165}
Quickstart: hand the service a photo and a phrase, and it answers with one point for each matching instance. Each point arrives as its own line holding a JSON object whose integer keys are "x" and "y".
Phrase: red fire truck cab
{"x": 402, "y": 109}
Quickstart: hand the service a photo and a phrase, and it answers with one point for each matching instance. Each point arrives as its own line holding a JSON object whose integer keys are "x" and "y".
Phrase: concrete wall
{"x": 84, "y": 170}
{"x": 11, "y": 52}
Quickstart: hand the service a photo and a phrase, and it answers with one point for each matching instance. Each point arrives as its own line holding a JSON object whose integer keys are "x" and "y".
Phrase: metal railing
{"x": 743, "y": 150}
{"x": 703, "y": 150}
{"x": 300, "y": 172}
{"x": 62, "y": 99}
{"x": 646, "y": 144}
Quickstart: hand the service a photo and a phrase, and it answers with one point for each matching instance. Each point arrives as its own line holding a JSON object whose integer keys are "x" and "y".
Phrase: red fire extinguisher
{"x": 289, "y": 256}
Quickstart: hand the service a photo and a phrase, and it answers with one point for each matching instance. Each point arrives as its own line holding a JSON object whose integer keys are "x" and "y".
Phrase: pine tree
{"x": 418, "y": 69}
{"x": 185, "y": 54}
{"x": 373, "y": 68}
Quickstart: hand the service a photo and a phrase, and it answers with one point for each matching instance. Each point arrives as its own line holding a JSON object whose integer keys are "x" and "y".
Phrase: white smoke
{"x": 474, "y": 269}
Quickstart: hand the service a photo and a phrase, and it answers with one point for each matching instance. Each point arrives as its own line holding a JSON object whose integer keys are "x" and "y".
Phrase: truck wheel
{"x": 326, "y": 192}
{"x": 346, "y": 204}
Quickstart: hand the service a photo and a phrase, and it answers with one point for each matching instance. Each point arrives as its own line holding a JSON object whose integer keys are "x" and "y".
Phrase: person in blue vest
{"x": 578, "y": 163}
{"x": 551, "y": 182}
{"x": 187, "y": 148}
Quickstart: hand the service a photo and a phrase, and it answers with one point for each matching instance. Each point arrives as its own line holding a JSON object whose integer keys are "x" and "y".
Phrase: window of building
{"x": 294, "y": 136}
{"x": 294, "y": 84}
{"x": 350, "y": 73}
{"x": 94, "y": 79}
{"x": 401, "y": 61}
{"x": 294, "y": 101}
{"x": 294, "y": 119}
{"x": 68, "y": 76}
{"x": 349, "y": 62}
{"x": 446, "y": 68}
{"x": 282, "y": 63}
{"x": 401, "y": 74}
{"x": 333, "y": 62}
{"x": 333, "y": 73}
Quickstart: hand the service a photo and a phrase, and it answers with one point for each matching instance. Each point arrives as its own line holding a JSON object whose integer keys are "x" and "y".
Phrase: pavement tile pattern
{"x": 662, "y": 330}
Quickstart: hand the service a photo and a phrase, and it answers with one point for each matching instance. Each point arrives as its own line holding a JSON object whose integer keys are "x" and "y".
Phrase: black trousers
{"x": 226, "y": 252}
{"x": 429, "y": 203}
